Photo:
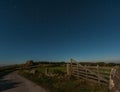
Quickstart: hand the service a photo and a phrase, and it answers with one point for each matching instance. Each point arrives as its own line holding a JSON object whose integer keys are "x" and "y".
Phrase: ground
{"x": 15, "y": 83}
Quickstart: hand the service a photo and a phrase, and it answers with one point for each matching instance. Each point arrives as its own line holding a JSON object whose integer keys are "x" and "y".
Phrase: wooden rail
{"x": 96, "y": 74}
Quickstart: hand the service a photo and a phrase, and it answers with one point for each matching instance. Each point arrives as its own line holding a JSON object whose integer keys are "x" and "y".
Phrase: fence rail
{"x": 96, "y": 73}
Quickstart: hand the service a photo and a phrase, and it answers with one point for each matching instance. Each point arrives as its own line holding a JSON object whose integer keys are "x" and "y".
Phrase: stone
{"x": 114, "y": 83}
{"x": 33, "y": 72}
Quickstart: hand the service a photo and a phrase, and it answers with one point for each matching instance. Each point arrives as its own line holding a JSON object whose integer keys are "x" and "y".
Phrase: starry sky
{"x": 59, "y": 30}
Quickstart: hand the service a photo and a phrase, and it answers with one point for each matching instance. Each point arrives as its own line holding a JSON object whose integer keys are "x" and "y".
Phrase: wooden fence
{"x": 92, "y": 73}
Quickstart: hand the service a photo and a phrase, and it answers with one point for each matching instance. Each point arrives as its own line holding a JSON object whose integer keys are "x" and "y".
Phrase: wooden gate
{"x": 87, "y": 72}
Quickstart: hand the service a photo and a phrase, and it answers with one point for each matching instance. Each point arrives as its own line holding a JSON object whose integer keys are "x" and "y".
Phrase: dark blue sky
{"x": 59, "y": 30}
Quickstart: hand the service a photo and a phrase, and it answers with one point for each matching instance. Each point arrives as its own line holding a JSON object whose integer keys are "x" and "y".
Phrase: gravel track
{"x": 15, "y": 83}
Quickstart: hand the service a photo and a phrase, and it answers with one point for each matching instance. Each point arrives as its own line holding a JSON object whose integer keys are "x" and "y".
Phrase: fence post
{"x": 77, "y": 70}
{"x": 98, "y": 74}
{"x": 46, "y": 71}
{"x": 71, "y": 65}
{"x": 68, "y": 69}
{"x": 86, "y": 71}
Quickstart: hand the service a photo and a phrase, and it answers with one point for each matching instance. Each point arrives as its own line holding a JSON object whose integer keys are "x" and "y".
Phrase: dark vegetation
{"x": 7, "y": 69}
{"x": 31, "y": 62}
{"x": 100, "y": 64}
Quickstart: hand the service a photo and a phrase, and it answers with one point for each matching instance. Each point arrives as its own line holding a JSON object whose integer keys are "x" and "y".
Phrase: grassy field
{"x": 62, "y": 83}
{"x": 51, "y": 69}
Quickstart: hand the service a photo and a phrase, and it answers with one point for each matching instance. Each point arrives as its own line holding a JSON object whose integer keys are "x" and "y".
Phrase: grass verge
{"x": 65, "y": 84}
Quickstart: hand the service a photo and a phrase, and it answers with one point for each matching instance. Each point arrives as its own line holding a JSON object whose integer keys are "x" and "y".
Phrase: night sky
{"x": 59, "y": 30}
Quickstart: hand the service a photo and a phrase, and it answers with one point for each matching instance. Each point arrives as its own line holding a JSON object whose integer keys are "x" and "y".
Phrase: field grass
{"x": 51, "y": 69}
{"x": 64, "y": 84}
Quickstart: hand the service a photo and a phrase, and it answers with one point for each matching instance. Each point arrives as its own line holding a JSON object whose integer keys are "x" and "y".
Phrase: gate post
{"x": 98, "y": 74}
{"x": 86, "y": 71}
{"x": 68, "y": 69}
{"x": 77, "y": 70}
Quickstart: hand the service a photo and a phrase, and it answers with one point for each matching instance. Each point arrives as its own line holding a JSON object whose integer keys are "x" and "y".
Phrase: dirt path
{"x": 15, "y": 83}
